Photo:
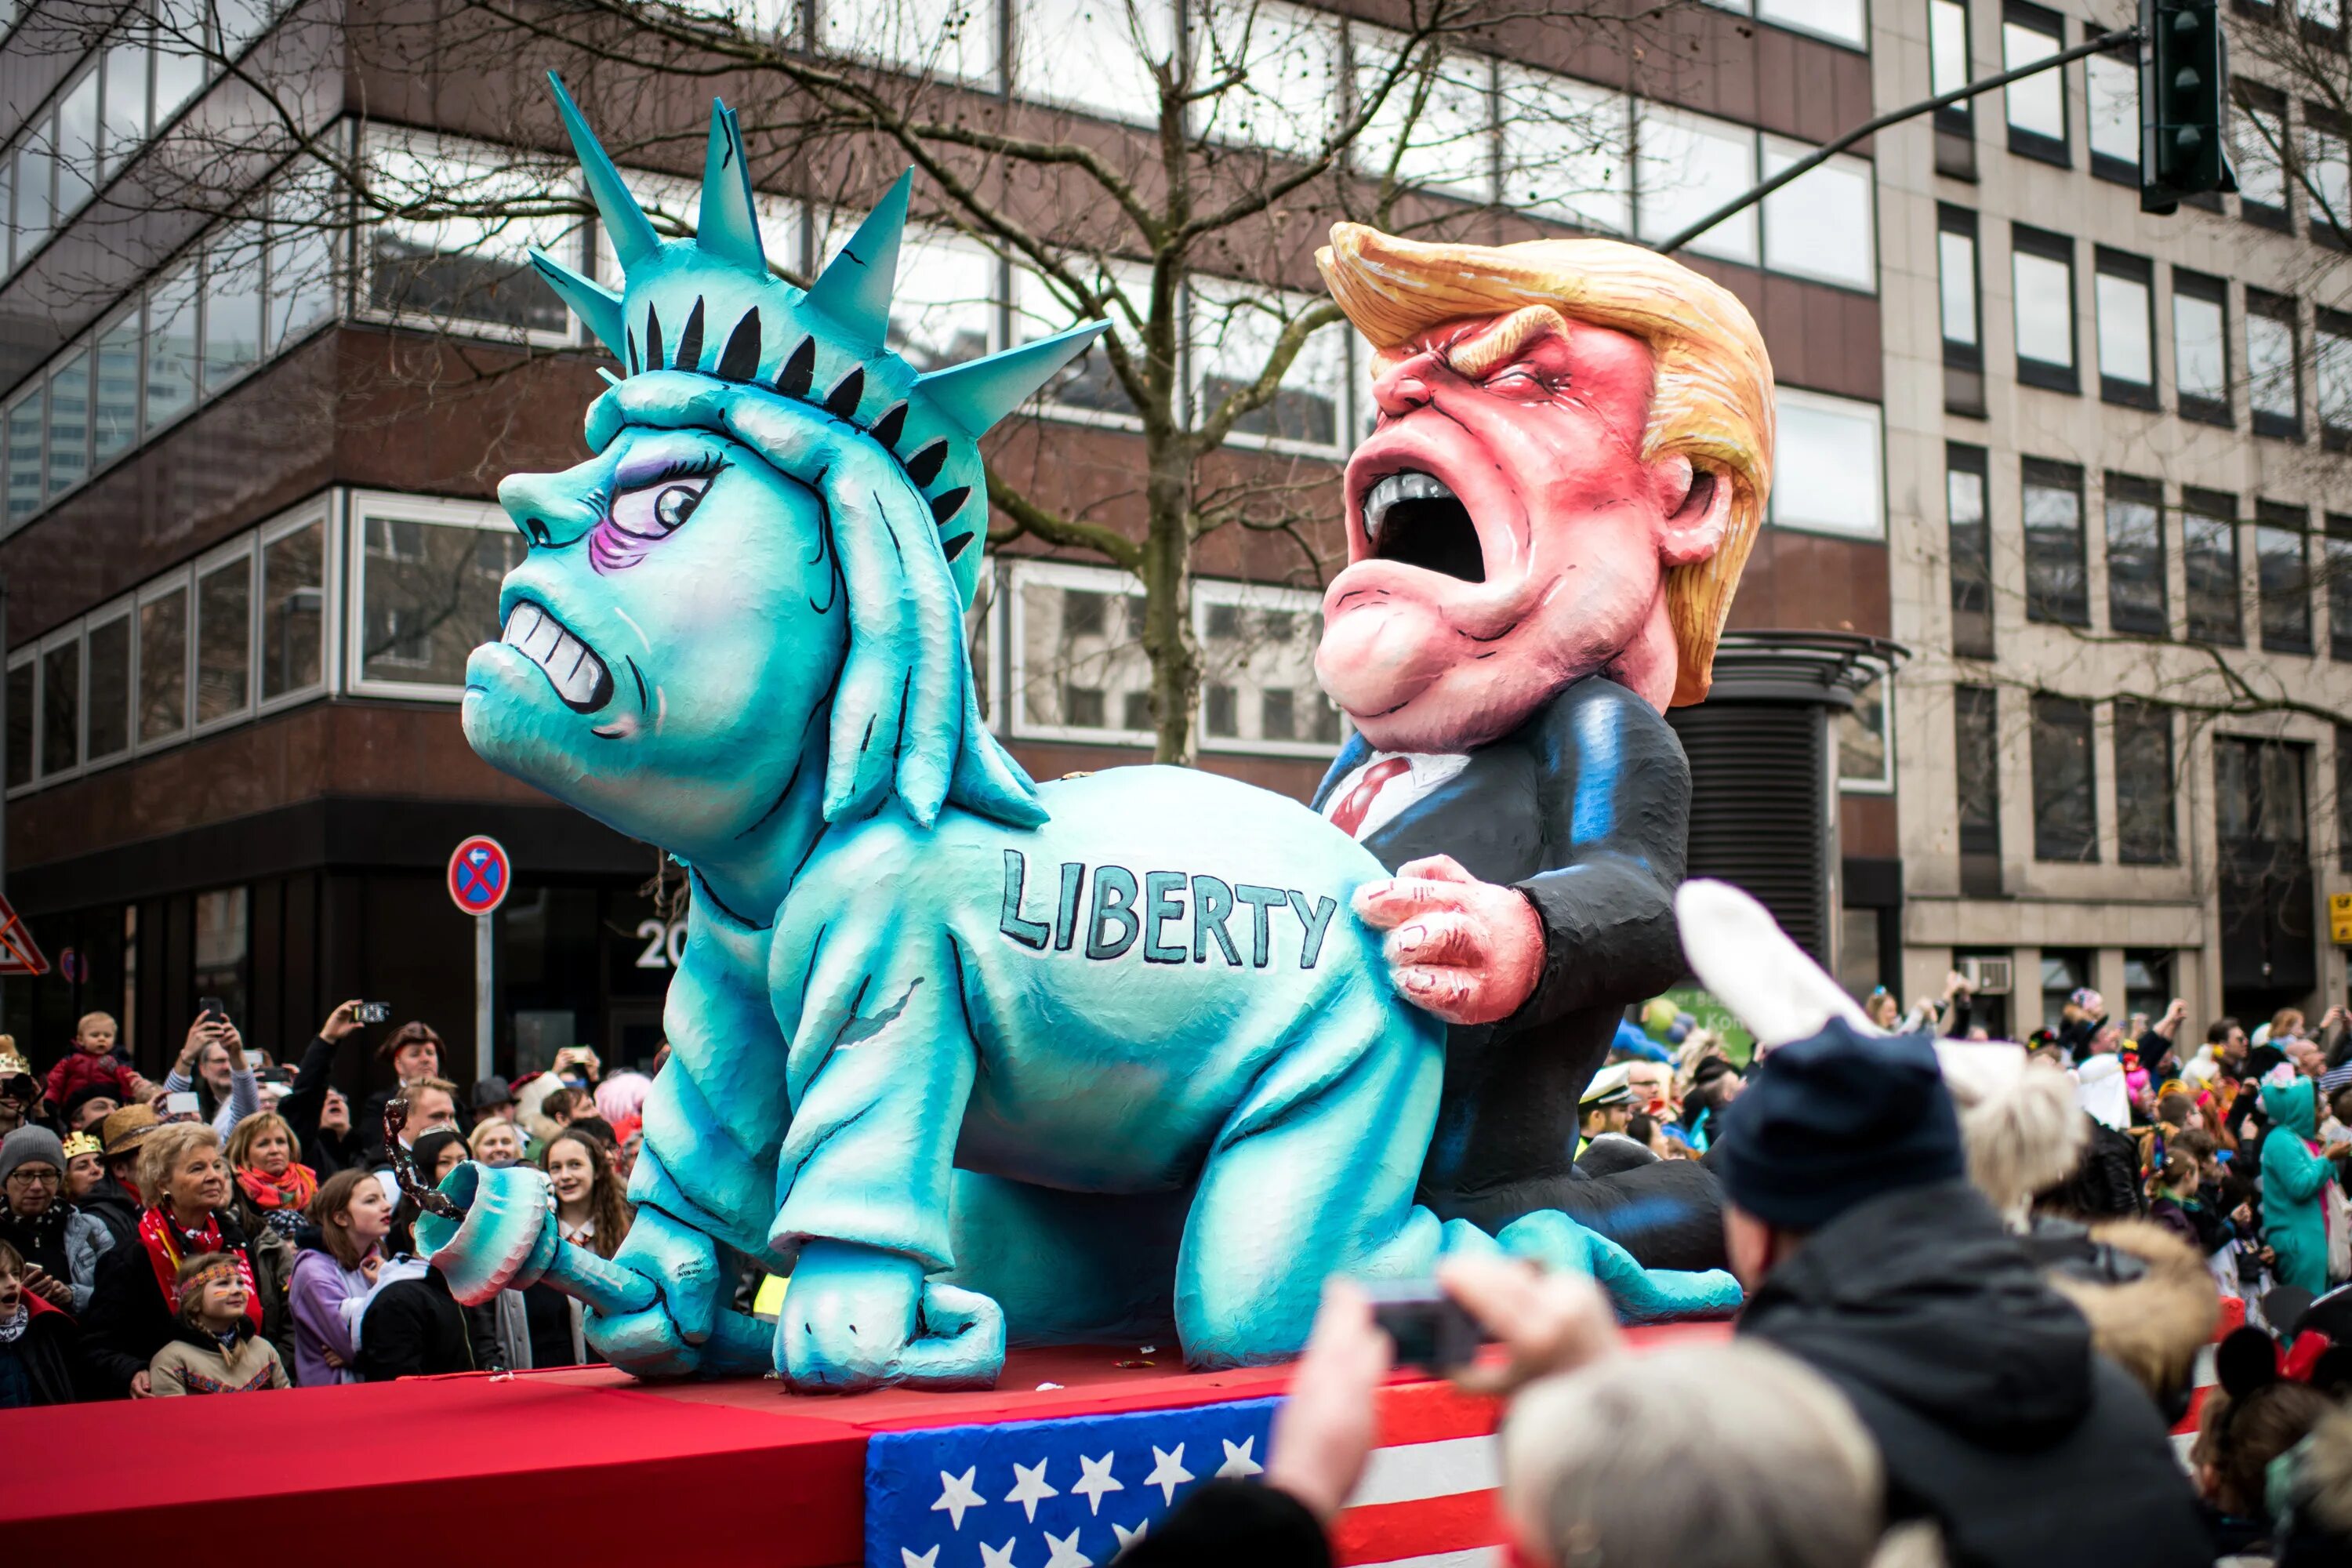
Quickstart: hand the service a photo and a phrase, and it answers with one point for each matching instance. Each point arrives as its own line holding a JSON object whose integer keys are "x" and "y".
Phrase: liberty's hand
{"x": 1468, "y": 950}
{"x": 665, "y": 1339}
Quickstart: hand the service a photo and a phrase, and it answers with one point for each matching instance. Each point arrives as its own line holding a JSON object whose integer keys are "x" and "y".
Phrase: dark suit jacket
{"x": 1585, "y": 809}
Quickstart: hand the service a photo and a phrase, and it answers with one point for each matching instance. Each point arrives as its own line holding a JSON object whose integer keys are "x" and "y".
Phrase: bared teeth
{"x": 578, "y": 675}
{"x": 1411, "y": 485}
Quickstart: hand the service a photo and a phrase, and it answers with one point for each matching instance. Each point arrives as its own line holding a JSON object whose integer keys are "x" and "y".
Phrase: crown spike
{"x": 978, "y": 392}
{"x": 855, "y": 288}
{"x": 593, "y": 303}
{"x": 633, "y": 239}
{"x": 727, "y": 226}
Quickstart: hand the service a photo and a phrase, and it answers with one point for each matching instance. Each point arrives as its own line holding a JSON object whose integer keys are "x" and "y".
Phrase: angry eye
{"x": 659, "y": 509}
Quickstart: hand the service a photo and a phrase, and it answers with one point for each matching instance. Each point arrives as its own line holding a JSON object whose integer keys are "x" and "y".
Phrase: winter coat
{"x": 115, "y": 1207}
{"x": 415, "y": 1329}
{"x": 81, "y": 1069}
{"x": 65, "y": 1241}
{"x": 325, "y": 1302}
{"x": 1994, "y": 1416}
{"x": 2295, "y": 1218}
{"x": 2106, "y": 1182}
{"x": 37, "y": 1367}
{"x": 196, "y": 1363}
{"x": 244, "y": 1096}
{"x": 306, "y": 1100}
{"x": 129, "y": 1321}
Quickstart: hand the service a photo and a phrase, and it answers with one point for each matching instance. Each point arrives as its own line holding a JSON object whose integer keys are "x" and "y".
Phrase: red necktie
{"x": 1358, "y": 802}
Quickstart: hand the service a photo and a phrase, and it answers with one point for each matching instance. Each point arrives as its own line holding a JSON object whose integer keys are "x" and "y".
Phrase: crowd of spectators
{"x": 1980, "y": 1283}
{"x": 232, "y": 1228}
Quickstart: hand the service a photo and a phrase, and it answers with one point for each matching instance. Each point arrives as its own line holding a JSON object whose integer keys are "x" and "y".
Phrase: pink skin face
{"x": 1567, "y": 530}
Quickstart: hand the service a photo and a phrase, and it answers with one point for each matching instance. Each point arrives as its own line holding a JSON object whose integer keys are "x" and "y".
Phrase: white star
{"x": 1097, "y": 1480}
{"x": 996, "y": 1556}
{"x": 1126, "y": 1537}
{"x": 1238, "y": 1461}
{"x": 956, "y": 1495}
{"x": 1029, "y": 1488}
{"x": 928, "y": 1560}
{"x": 1066, "y": 1552}
{"x": 1168, "y": 1472}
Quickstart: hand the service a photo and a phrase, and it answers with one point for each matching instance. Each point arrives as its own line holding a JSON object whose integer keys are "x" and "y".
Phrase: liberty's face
{"x": 669, "y": 641}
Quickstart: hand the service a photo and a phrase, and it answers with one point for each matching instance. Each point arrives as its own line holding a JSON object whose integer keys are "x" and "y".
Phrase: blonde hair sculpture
{"x": 1711, "y": 400}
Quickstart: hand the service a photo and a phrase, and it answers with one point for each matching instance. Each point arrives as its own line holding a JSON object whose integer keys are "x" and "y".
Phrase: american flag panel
{"x": 1070, "y": 1493}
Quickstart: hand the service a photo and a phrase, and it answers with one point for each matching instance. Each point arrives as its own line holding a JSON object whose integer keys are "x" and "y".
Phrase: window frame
{"x": 181, "y": 580}
{"x": 2044, "y": 473}
{"x": 2278, "y": 309}
{"x": 2135, "y": 489}
{"x": 1827, "y": 403}
{"x": 2255, "y": 98}
{"x": 2336, "y": 325}
{"x": 2044, "y": 707}
{"x": 1061, "y": 576}
{"x": 2214, "y": 505}
{"x": 1964, "y": 362}
{"x": 2320, "y": 127}
{"x": 322, "y": 509}
{"x": 30, "y": 655}
{"x": 2139, "y": 271}
{"x": 204, "y": 566}
{"x": 1974, "y": 461}
{"x": 2048, "y": 375}
{"x": 2195, "y": 406}
{"x": 2106, "y": 166}
{"x": 1211, "y": 592}
{"x": 358, "y": 507}
{"x": 1883, "y": 782}
{"x": 69, "y": 635}
{"x": 2335, "y": 553}
{"x": 124, "y": 607}
{"x": 2024, "y": 142}
{"x": 1198, "y": 306}
{"x": 1957, "y": 119}
{"x": 2275, "y": 518}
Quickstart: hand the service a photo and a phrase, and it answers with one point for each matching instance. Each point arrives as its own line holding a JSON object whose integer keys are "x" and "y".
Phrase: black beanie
{"x": 1829, "y": 1121}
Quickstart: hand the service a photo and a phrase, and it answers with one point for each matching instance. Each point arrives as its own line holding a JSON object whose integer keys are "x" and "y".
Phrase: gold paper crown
{"x": 11, "y": 1063}
{"x": 79, "y": 1143}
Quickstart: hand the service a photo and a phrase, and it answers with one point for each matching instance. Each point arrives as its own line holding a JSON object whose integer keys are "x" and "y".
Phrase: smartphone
{"x": 183, "y": 1103}
{"x": 1429, "y": 1327}
{"x": 373, "y": 1012}
{"x": 211, "y": 1007}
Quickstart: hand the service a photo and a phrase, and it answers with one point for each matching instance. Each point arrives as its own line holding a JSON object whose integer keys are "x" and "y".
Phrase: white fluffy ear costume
{"x": 2018, "y": 1117}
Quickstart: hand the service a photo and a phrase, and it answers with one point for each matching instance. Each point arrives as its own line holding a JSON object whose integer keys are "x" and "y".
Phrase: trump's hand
{"x": 1469, "y": 952}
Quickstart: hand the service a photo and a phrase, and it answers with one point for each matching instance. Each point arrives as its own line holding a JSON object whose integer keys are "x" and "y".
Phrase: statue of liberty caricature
{"x": 975, "y": 1060}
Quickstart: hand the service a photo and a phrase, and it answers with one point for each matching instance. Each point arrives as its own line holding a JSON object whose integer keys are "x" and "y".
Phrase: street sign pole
{"x": 485, "y": 958}
{"x": 479, "y": 876}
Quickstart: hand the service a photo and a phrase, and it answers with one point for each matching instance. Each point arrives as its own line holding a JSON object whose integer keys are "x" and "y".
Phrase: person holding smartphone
{"x": 211, "y": 1064}
{"x": 315, "y": 1111}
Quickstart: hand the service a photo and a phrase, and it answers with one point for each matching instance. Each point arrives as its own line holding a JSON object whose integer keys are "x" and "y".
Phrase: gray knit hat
{"x": 31, "y": 1143}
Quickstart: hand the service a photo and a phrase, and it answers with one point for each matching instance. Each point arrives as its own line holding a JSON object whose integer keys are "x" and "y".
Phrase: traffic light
{"x": 2184, "y": 102}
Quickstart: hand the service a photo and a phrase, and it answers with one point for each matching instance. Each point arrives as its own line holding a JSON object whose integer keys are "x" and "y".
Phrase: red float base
{"x": 723, "y": 1472}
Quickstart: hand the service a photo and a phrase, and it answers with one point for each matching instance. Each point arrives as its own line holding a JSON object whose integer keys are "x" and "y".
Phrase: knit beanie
{"x": 1835, "y": 1119}
{"x": 31, "y": 1143}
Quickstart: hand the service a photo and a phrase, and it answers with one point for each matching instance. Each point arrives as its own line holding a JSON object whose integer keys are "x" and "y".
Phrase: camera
{"x": 1429, "y": 1327}
{"x": 372, "y": 1011}
{"x": 211, "y": 1007}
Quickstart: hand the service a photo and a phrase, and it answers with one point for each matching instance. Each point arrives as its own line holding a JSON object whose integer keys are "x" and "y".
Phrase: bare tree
{"x": 1108, "y": 161}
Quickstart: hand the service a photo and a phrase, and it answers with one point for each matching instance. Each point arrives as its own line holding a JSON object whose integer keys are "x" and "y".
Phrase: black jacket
{"x": 1992, "y": 1413}
{"x": 415, "y": 1329}
{"x": 111, "y": 1201}
{"x": 39, "y": 1366}
{"x": 1234, "y": 1524}
{"x": 306, "y": 1100}
{"x": 1584, "y": 808}
{"x": 2106, "y": 1184}
{"x": 129, "y": 1321}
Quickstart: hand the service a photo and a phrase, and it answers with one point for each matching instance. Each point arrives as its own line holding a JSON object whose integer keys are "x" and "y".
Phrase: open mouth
{"x": 1413, "y": 518}
{"x": 578, "y": 675}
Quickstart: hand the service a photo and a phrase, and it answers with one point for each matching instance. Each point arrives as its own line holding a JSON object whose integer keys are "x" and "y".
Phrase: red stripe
{"x": 1432, "y": 1412}
{"x": 1388, "y": 1531}
{"x": 2196, "y": 1412}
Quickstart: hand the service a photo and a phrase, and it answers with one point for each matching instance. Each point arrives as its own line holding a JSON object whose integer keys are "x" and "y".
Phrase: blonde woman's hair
{"x": 1729, "y": 1455}
{"x": 241, "y": 1137}
{"x": 1711, "y": 400}
{"x": 165, "y": 1149}
{"x": 480, "y": 1134}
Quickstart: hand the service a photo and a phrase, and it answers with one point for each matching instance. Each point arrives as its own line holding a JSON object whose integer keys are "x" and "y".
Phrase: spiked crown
{"x": 710, "y": 306}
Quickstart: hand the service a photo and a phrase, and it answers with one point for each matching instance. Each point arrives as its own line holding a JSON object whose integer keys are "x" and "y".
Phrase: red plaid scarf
{"x": 168, "y": 1246}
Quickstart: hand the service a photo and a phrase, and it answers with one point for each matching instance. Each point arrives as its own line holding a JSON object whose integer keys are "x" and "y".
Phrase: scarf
{"x": 292, "y": 1188}
{"x": 14, "y": 1328}
{"x": 168, "y": 1246}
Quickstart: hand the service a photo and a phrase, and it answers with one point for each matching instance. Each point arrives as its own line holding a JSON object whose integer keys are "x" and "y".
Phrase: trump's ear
{"x": 1695, "y": 504}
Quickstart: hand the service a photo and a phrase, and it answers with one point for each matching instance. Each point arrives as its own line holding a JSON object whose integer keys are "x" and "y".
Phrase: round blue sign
{"x": 479, "y": 875}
